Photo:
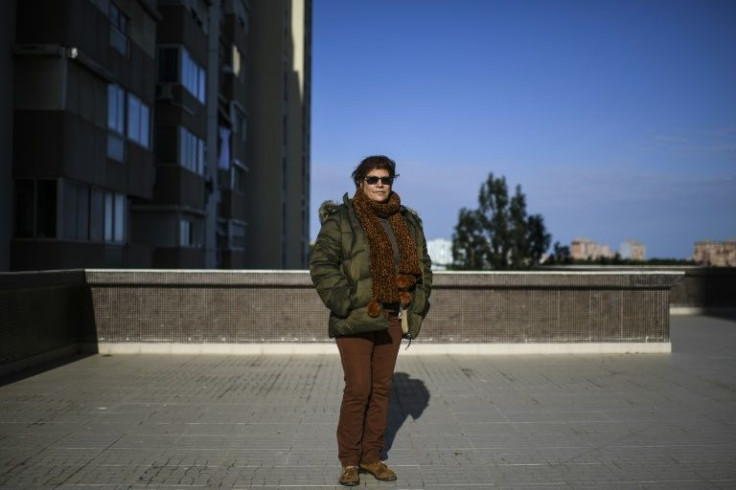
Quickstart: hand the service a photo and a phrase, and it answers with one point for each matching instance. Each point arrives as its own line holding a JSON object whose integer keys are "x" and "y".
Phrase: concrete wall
{"x": 626, "y": 311}
{"x": 43, "y": 316}
{"x": 702, "y": 290}
{"x": 705, "y": 290}
{"x": 51, "y": 314}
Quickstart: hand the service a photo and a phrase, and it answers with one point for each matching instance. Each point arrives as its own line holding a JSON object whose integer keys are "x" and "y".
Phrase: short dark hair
{"x": 373, "y": 162}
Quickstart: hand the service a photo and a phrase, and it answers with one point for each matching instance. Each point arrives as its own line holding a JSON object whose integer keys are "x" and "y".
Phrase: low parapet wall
{"x": 702, "y": 290}
{"x": 56, "y": 313}
{"x": 504, "y": 312}
{"x": 705, "y": 290}
{"x": 43, "y": 316}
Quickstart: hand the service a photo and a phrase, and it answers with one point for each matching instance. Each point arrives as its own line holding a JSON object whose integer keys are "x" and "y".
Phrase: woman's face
{"x": 380, "y": 190}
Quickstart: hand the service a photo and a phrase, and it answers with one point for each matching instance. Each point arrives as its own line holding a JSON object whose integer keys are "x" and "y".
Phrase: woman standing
{"x": 371, "y": 269}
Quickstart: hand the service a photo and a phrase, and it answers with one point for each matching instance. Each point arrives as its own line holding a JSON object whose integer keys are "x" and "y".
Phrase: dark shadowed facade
{"x": 132, "y": 141}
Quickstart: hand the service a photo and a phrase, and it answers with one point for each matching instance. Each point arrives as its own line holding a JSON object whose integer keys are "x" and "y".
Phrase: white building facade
{"x": 440, "y": 251}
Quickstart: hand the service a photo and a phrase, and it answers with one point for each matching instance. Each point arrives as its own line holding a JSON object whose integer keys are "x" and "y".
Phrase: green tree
{"x": 467, "y": 243}
{"x": 560, "y": 255}
{"x": 499, "y": 234}
{"x": 538, "y": 238}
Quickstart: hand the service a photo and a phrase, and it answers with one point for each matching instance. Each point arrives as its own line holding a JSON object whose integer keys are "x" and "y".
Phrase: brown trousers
{"x": 368, "y": 362}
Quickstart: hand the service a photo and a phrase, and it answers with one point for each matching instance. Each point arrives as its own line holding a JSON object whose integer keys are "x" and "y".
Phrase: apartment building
{"x": 83, "y": 96}
{"x": 585, "y": 249}
{"x": 174, "y": 222}
{"x": 141, "y": 134}
{"x": 440, "y": 251}
{"x": 633, "y": 250}
{"x": 715, "y": 254}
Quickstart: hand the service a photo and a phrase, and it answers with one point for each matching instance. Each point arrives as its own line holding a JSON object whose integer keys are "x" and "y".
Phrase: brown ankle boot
{"x": 379, "y": 470}
{"x": 349, "y": 476}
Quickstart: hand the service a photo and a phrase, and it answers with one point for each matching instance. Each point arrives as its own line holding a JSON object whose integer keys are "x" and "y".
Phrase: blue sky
{"x": 617, "y": 118}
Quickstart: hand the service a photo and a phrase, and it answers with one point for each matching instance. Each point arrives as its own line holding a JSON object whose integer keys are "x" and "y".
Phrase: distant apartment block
{"x": 165, "y": 134}
{"x": 718, "y": 254}
{"x": 633, "y": 250}
{"x": 440, "y": 251}
{"x": 585, "y": 249}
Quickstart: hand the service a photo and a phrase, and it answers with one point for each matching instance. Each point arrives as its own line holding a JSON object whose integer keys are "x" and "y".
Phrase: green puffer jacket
{"x": 340, "y": 270}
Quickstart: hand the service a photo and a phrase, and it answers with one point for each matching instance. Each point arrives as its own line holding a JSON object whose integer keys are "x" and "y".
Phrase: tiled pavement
{"x": 661, "y": 421}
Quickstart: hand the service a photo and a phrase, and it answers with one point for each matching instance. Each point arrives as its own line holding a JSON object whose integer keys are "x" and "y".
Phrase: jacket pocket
{"x": 342, "y": 299}
{"x": 420, "y": 303}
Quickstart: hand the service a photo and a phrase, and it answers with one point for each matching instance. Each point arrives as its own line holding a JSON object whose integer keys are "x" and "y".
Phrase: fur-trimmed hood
{"x": 328, "y": 208}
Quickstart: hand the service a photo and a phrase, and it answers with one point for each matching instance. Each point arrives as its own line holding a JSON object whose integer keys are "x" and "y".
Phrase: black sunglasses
{"x": 373, "y": 180}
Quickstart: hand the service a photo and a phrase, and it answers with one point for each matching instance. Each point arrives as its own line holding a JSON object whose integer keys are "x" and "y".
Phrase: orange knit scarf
{"x": 388, "y": 286}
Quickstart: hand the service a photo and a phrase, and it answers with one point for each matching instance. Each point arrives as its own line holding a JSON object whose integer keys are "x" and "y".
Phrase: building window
{"x": 115, "y": 212}
{"x": 25, "y": 209}
{"x": 175, "y": 64}
{"x": 237, "y": 236}
{"x": 239, "y": 123}
{"x": 93, "y": 214}
{"x": 230, "y": 235}
{"x": 46, "y": 209}
{"x": 238, "y": 171}
{"x": 238, "y": 63}
{"x": 118, "y": 29}
{"x": 223, "y": 159}
{"x": 75, "y": 211}
{"x": 115, "y": 122}
{"x": 96, "y": 214}
{"x": 186, "y": 233}
{"x": 191, "y": 151}
{"x": 35, "y": 208}
{"x": 192, "y": 76}
{"x": 138, "y": 121}
{"x": 168, "y": 65}
{"x": 221, "y": 235}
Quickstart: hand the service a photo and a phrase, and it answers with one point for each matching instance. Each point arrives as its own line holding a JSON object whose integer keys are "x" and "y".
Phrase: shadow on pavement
{"x": 722, "y": 313}
{"x": 409, "y": 397}
{"x": 36, "y": 369}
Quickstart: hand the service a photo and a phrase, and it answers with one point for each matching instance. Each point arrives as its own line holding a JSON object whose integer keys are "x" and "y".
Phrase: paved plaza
{"x": 659, "y": 421}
